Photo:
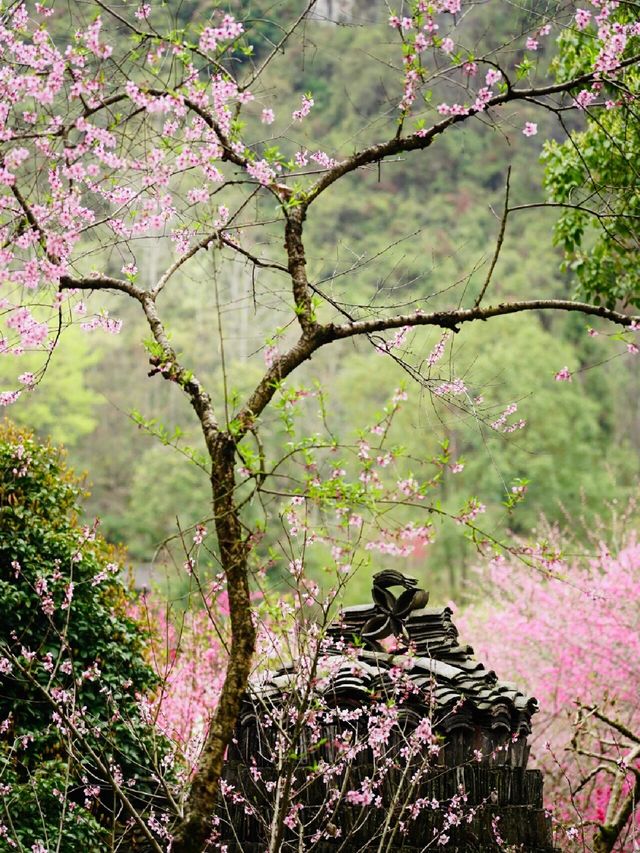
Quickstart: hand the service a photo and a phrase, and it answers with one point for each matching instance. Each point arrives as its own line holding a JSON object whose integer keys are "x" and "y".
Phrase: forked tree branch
{"x": 321, "y": 335}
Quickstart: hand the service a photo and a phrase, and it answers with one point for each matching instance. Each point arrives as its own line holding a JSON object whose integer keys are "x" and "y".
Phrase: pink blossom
{"x": 493, "y": 76}
{"x": 575, "y": 617}
{"x": 471, "y": 511}
{"x": 531, "y": 44}
{"x": 199, "y": 535}
{"x": 271, "y": 353}
{"x": 447, "y": 45}
{"x": 438, "y": 351}
{"x": 483, "y": 97}
{"x": 584, "y": 99}
{"x": 396, "y": 341}
{"x": 454, "y": 388}
{"x": 530, "y": 128}
{"x": 323, "y": 159}
{"x": 198, "y": 196}
{"x": 262, "y": 172}
{"x": 8, "y": 397}
{"x": 267, "y": 116}
{"x": 564, "y": 375}
{"x": 583, "y": 18}
{"x": 305, "y": 109}
{"x": 211, "y": 36}
{"x": 499, "y": 424}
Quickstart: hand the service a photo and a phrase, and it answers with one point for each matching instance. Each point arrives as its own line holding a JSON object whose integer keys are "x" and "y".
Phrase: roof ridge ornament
{"x": 391, "y": 613}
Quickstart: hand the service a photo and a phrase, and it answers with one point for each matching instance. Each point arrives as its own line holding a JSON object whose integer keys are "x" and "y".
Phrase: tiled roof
{"x": 482, "y": 754}
{"x": 439, "y": 657}
{"x": 457, "y": 691}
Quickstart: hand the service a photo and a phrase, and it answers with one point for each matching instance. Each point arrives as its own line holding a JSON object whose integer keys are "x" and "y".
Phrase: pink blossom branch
{"x": 102, "y": 767}
{"x": 398, "y": 145}
{"x": 319, "y": 335}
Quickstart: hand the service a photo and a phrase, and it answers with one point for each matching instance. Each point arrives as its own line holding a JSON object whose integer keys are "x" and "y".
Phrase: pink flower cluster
{"x": 438, "y": 351}
{"x": 500, "y": 423}
{"x": 305, "y": 109}
{"x": 212, "y": 36}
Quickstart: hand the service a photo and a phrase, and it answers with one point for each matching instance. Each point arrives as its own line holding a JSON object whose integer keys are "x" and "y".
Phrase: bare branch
{"x": 499, "y": 242}
{"x": 278, "y": 47}
{"x": 255, "y": 260}
{"x": 101, "y": 282}
{"x": 453, "y": 318}
{"x": 170, "y": 367}
{"x": 614, "y": 723}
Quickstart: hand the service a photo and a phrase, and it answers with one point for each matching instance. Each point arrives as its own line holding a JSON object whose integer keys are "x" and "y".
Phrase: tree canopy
{"x": 145, "y": 156}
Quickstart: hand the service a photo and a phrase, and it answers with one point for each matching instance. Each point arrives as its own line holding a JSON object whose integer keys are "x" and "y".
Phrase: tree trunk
{"x": 196, "y": 828}
{"x": 608, "y": 834}
{"x": 603, "y": 841}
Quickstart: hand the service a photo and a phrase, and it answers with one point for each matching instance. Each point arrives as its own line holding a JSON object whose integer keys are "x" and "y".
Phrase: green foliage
{"x": 596, "y": 175}
{"x": 65, "y": 407}
{"x": 74, "y": 663}
{"x": 166, "y": 487}
{"x": 33, "y": 809}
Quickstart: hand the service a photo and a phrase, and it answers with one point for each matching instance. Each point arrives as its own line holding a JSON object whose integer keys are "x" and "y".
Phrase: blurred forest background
{"x": 411, "y": 235}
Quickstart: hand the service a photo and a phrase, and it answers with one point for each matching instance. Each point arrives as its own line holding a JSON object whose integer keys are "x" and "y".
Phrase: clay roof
{"x": 452, "y": 686}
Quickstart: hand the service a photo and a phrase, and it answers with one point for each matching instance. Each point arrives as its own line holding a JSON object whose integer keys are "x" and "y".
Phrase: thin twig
{"x": 499, "y": 242}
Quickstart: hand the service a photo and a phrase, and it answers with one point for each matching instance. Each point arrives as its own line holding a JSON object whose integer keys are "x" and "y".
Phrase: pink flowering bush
{"x": 568, "y": 630}
{"x": 189, "y": 657}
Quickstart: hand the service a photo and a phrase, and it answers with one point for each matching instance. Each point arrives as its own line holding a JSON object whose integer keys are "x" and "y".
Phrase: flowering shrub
{"x": 189, "y": 657}
{"x": 73, "y": 664}
{"x": 575, "y": 644}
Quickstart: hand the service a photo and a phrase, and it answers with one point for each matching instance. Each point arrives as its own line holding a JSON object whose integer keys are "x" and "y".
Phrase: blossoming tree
{"x": 578, "y": 648}
{"x": 135, "y": 128}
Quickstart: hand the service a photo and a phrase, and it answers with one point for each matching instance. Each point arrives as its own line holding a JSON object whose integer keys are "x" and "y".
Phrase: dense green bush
{"x": 74, "y": 676}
